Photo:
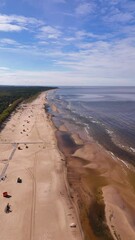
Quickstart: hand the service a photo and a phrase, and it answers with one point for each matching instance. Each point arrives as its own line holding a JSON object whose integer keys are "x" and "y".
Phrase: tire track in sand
{"x": 32, "y": 174}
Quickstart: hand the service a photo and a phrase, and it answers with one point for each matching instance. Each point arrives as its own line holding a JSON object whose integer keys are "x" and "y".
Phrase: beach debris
{"x": 19, "y": 180}
{"x": 3, "y": 178}
{"x": 6, "y": 195}
{"x": 19, "y": 148}
{"x": 73, "y": 225}
{"x": 62, "y": 159}
{"x": 8, "y": 208}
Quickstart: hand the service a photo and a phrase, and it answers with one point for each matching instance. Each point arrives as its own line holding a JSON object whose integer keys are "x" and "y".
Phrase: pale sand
{"x": 41, "y": 206}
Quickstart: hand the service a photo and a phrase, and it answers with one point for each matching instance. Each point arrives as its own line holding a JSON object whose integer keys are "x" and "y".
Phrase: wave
{"x": 105, "y": 113}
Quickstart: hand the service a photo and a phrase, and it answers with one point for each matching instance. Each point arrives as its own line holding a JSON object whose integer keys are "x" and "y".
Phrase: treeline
{"x": 11, "y": 96}
{"x": 5, "y": 114}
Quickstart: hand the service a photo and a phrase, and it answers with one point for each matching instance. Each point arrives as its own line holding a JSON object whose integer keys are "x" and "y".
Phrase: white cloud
{"x": 10, "y": 23}
{"x": 120, "y": 17}
{"x": 49, "y": 32}
{"x": 128, "y": 30}
{"x": 85, "y": 8}
{"x": 103, "y": 60}
{"x": 58, "y": 78}
{"x": 6, "y": 27}
{"x": 43, "y": 43}
{"x": 100, "y": 59}
{"x": 76, "y": 54}
{"x": 69, "y": 39}
{"x": 95, "y": 63}
{"x": 83, "y": 34}
{"x": 39, "y": 78}
{"x": 8, "y": 41}
{"x": 5, "y": 69}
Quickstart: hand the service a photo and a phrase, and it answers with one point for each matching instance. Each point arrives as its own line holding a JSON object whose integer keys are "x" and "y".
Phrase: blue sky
{"x": 67, "y": 42}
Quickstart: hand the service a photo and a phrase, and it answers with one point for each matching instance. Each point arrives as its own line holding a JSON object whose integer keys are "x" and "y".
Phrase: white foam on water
{"x": 94, "y": 121}
{"x": 86, "y": 128}
{"x": 126, "y": 164}
{"x": 109, "y": 131}
{"x": 132, "y": 149}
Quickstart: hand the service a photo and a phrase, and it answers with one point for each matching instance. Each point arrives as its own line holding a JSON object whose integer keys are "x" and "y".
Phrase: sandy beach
{"x": 68, "y": 185}
{"x": 41, "y": 208}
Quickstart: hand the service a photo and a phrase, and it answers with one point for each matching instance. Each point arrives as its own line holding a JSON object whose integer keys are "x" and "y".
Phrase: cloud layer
{"x": 68, "y": 43}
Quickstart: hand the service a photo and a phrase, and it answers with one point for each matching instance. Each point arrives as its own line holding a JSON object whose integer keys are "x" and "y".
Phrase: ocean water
{"x": 105, "y": 113}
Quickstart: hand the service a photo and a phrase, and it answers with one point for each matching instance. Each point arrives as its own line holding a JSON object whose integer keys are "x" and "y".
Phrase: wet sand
{"x": 41, "y": 207}
{"x": 102, "y": 187}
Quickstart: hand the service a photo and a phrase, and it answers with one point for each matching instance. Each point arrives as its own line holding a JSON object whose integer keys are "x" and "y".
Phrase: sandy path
{"x": 41, "y": 209}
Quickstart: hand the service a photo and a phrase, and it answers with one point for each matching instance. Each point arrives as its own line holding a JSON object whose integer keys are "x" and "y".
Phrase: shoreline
{"x": 103, "y": 174}
{"x": 98, "y": 134}
{"x": 40, "y": 205}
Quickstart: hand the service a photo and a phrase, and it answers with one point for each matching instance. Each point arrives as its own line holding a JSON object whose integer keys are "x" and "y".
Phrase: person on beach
{"x": 8, "y": 208}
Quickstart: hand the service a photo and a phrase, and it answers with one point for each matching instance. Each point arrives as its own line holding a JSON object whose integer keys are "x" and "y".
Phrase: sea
{"x": 107, "y": 114}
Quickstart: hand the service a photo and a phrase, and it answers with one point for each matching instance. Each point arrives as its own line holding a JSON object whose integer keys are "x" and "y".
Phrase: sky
{"x": 67, "y": 42}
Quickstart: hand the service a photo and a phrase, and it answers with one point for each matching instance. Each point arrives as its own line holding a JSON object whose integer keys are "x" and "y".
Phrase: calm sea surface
{"x": 105, "y": 113}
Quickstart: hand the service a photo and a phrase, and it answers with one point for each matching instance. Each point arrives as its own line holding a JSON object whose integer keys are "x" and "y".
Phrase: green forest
{"x": 11, "y": 96}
